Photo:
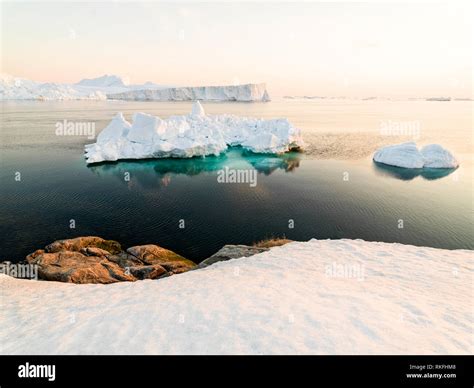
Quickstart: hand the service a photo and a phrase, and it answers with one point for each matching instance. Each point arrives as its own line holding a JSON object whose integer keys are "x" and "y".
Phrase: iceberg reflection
{"x": 407, "y": 174}
{"x": 165, "y": 169}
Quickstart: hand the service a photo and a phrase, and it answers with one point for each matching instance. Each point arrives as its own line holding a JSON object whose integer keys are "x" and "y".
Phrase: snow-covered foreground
{"x": 196, "y": 134}
{"x": 318, "y": 297}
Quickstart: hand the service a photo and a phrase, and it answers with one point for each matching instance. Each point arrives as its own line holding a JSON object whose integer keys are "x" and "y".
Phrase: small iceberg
{"x": 407, "y": 155}
{"x": 439, "y": 99}
{"x": 195, "y": 134}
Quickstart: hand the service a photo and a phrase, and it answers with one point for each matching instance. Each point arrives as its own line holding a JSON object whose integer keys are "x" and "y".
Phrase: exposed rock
{"x": 34, "y": 255}
{"x": 95, "y": 260}
{"x": 153, "y": 254}
{"x": 125, "y": 260}
{"x": 92, "y": 251}
{"x": 76, "y": 244}
{"x": 75, "y": 267}
{"x": 228, "y": 252}
{"x": 148, "y": 271}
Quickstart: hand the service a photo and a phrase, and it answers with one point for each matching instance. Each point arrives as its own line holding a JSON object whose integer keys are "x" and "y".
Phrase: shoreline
{"x": 385, "y": 298}
{"x": 143, "y": 262}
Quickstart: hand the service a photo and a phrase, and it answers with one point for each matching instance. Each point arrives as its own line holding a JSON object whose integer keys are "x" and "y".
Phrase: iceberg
{"x": 248, "y": 92}
{"x": 186, "y": 136}
{"x": 14, "y": 88}
{"x": 407, "y": 155}
{"x": 114, "y": 87}
{"x": 438, "y": 157}
{"x": 438, "y": 99}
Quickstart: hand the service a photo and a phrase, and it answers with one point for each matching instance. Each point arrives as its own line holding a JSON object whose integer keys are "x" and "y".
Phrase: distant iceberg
{"x": 248, "y": 92}
{"x": 407, "y": 155}
{"x": 195, "y": 134}
{"x": 114, "y": 87}
{"x": 15, "y": 88}
{"x": 438, "y": 99}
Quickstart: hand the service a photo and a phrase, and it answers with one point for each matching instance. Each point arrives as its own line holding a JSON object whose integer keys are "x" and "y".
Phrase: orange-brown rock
{"x": 95, "y": 260}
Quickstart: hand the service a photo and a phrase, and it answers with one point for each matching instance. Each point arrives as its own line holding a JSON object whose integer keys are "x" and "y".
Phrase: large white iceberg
{"x": 247, "y": 92}
{"x": 407, "y": 155}
{"x": 196, "y": 134}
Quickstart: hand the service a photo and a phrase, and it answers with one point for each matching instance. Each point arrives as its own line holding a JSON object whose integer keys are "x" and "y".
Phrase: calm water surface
{"x": 57, "y": 186}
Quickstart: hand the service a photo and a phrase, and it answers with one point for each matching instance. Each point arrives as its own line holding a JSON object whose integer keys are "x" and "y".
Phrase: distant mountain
{"x": 103, "y": 82}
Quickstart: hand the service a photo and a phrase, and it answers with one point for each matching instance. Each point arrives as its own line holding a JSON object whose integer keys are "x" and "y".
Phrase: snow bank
{"x": 248, "y": 92}
{"x": 196, "y": 134}
{"x": 316, "y": 297}
{"x": 407, "y": 155}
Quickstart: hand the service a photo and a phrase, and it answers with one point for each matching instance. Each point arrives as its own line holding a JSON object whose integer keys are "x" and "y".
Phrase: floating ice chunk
{"x": 438, "y": 157}
{"x": 196, "y": 134}
{"x": 401, "y": 155}
{"x": 115, "y": 130}
{"x": 407, "y": 155}
{"x": 145, "y": 128}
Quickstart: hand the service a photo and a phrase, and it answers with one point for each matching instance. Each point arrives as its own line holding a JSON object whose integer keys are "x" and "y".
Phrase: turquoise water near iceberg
{"x": 336, "y": 197}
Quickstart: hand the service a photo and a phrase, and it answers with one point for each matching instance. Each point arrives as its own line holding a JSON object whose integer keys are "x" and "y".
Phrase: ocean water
{"x": 334, "y": 190}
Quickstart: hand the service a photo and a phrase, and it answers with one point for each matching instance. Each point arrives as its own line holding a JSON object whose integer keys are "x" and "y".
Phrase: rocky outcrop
{"x": 153, "y": 255}
{"x": 95, "y": 260}
{"x": 228, "y": 252}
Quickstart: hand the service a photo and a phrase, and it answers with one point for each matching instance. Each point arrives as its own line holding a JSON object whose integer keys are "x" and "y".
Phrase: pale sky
{"x": 336, "y": 49}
